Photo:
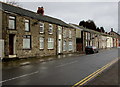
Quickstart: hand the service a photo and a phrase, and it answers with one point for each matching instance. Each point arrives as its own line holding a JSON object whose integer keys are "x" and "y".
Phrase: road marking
{"x": 19, "y": 77}
{"x": 94, "y": 74}
{"x": 66, "y": 64}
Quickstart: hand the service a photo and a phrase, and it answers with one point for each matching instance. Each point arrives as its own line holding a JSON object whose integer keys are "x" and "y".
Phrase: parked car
{"x": 91, "y": 49}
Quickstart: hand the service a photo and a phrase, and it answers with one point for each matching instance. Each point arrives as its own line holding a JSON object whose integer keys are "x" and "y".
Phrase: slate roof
{"x": 92, "y": 31}
{"x": 24, "y": 12}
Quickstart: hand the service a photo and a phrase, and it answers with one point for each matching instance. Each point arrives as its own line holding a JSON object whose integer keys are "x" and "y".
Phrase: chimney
{"x": 40, "y": 10}
{"x": 111, "y": 29}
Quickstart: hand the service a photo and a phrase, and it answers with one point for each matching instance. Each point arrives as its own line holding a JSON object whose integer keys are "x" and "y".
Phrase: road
{"x": 66, "y": 71}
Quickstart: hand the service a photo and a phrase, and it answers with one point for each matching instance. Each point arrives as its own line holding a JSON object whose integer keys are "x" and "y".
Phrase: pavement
{"x": 64, "y": 70}
{"x": 108, "y": 78}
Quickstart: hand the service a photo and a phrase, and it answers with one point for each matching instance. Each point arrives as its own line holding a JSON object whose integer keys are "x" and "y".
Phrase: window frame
{"x": 50, "y": 40}
{"x": 50, "y": 29}
{"x": 14, "y": 19}
{"x": 28, "y": 22}
{"x": 64, "y": 45}
{"x": 43, "y": 39}
{"x": 70, "y": 34}
{"x": 41, "y": 26}
{"x": 70, "y": 45}
{"x": 27, "y": 37}
{"x": 64, "y": 33}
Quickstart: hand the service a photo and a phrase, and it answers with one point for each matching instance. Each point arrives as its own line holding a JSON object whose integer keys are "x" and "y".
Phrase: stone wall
{"x": 35, "y": 35}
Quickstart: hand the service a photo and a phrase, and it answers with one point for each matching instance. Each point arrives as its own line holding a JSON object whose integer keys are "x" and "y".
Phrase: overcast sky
{"x": 102, "y": 13}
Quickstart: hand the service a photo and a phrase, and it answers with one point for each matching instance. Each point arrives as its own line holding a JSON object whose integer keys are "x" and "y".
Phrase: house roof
{"x": 91, "y": 31}
{"x": 24, "y": 12}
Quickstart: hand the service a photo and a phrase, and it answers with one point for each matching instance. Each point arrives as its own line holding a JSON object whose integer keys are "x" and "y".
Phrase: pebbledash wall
{"x": 15, "y": 40}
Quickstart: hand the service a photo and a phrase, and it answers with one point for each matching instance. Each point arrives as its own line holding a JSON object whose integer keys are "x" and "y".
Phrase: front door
{"x": 11, "y": 44}
{"x": 59, "y": 46}
{"x": 59, "y": 40}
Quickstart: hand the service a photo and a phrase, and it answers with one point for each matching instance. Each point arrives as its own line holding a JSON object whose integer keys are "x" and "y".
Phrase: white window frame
{"x": 41, "y": 26}
{"x": 64, "y": 33}
{"x": 70, "y": 44}
{"x": 13, "y": 20}
{"x": 50, "y": 31}
{"x": 64, "y": 45}
{"x": 26, "y": 37}
{"x": 70, "y": 34}
{"x": 41, "y": 39}
{"x": 51, "y": 43}
{"x": 27, "y": 25}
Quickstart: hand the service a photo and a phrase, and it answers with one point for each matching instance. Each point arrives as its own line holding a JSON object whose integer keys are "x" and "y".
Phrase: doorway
{"x": 12, "y": 44}
{"x": 59, "y": 48}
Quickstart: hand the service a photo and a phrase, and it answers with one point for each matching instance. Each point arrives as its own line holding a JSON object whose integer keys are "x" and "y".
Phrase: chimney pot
{"x": 40, "y": 10}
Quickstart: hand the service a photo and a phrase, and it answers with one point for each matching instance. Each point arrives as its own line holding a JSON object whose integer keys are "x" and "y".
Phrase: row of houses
{"x": 28, "y": 34}
{"x": 87, "y": 37}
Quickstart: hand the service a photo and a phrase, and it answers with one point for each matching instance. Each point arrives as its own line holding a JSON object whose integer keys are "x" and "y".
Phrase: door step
{"x": 12, "y": 56}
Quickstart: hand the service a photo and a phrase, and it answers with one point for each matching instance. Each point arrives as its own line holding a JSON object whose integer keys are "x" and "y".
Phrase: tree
{"x": 102, "y": 29}
{"x": 82, "y": 23}
{"x": 97, "y": 29}
{"x": 88, "y": 24}
{"x": 12, "y": 2}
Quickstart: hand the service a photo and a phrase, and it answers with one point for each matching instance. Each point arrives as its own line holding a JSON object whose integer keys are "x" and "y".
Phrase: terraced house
{"x": 88, "y": 37}
{"x": 29, "y": 34}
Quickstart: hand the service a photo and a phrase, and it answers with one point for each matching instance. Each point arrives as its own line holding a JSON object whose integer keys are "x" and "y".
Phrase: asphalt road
{"x": 67, "y": 71}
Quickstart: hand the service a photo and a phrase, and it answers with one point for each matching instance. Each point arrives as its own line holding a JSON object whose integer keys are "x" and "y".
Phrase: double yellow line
{"x": 94, "y": 74}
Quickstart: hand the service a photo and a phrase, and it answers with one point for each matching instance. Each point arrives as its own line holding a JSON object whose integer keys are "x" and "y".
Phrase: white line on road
{"x": 66, "y": 64}
{"x": 19, "y": 77}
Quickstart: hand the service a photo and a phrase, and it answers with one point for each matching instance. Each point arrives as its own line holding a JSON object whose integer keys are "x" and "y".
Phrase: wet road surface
{"x": 65, "y": 71}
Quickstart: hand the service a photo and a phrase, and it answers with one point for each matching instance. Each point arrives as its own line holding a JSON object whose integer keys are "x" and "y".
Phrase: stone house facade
{"x": 28, "y": 34}
{"x": 94, "y": 38}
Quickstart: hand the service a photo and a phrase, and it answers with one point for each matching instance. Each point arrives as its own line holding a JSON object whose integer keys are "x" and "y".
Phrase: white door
{"x": 59, "y": 46}
{"x": 59, "y": 40}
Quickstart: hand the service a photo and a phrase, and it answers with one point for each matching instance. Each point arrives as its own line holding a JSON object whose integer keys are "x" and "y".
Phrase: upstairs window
{"x": 27, "y": 42}
{"x": 41, "y": 27}
{"x": 50, "y": 43}
{"x": 11, "y": 22}
{"x": 50, "y": 31}
{"x": 27, "y": 25}
{"x": 64, "y": 33}
{"x": 70, "y": 34}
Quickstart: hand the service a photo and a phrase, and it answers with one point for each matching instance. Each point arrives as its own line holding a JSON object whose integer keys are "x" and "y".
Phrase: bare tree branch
{"x": 13, "y": 2}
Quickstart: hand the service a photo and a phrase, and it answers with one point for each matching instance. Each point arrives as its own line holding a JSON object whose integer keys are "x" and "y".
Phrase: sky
{"x": 104, "y": 14}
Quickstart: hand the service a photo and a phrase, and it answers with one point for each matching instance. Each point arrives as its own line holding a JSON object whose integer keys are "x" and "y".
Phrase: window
{"x": 64, "y": 46}
{"x": 41, "y": 27}
{"x": 41, "y": 43}
{"x": 64, "y": 33}
{"x": 50, "y": 43}
{"x": 88, "y": 36}
{"x": 11, "y": 22}
{"x": 27, "y": 42}
{"x": 70, "y": 34}
{"x": 27, "y": 25}
{"x": 50, "y": 31}
{"x": 70, "y": 45}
